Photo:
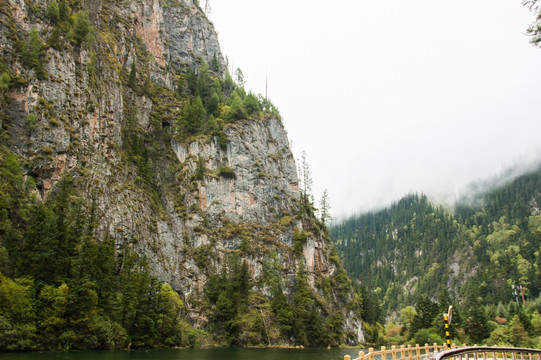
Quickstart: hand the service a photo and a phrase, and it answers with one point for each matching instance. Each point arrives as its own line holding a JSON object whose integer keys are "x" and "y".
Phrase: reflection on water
{"x": 190, "y": 354}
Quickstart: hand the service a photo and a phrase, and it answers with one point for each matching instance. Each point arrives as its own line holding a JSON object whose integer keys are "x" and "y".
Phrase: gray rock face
{"x": 265, "y": 182}
{"x": 176, "y": 33}
{"x": 74, "y": 121}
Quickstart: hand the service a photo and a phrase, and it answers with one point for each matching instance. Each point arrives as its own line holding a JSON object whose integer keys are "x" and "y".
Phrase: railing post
{"x": 447, "y": 331}
{"x": 347, "y": 357}
{"x": 410, "y": 353}
{"x": 417, "y": 352}
{"x": 403, "y": 352}
{"x": 393, "y": 354}
{"x": 370, "y": 353}
{"x": 427, "y": 349}
{"x": 383, "y": 353}
{"x": 361, "y": 355}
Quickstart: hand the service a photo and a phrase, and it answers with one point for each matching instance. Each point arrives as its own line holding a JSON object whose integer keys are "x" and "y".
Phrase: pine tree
{"x": 215, "y": 65}
{"x": 236, "y": 110}
{"x": 132, "y": 78}
{"x": 63, "y": 10}
{"x": 251, "y": 104}
{"x": 32, "y": 53}
{"x": 325, "y": 207}
{"x": 82, "y": 28}
{"x": 53, "y": 12}
{"x": 192, "y": 116}
{"x": 476, "y": 322}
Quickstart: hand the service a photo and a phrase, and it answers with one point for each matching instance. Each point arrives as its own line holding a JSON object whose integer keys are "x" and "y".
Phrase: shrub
{"x": 227, "y": 172}
{"x": 82, "y": 28}
{"x": 31, "y": 120}
{"x": 427, "y": 336}
{"x": 53, "y": 12}
{"x": 299, "y": 239}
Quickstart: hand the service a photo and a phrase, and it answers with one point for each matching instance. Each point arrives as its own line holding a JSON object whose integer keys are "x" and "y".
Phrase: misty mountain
{"x": 487, "y": 243}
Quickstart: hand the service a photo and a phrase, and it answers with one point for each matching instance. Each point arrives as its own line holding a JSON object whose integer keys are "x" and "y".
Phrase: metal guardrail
{"x": 402, "y": 352}
{"x": 439, "y": 352}
{"x": 487, "y": 352}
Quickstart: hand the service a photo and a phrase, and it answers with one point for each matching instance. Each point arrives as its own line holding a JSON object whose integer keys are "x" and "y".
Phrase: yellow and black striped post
{"x": 447, "y": 333}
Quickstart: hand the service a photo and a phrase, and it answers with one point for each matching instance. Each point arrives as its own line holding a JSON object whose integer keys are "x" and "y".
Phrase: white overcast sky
{"x": 391, "y": 97}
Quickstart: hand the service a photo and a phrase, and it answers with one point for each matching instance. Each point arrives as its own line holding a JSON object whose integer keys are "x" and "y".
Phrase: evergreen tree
{"x": 283, "y": 312}
{"x": 17, "y": 315}
{"x": 301, "y": 306}
{"x": 228, "y": 85}
{"x": 192, "y": 116}
{"x": 476, "y": 322}
{"x": 236, "y": 109}
{"x": 325, "y": 207}
{"x": 213, "y": 104}
{"x": 132, "y": 77}
{"x": 5, "y": 81}
{"x": 426, "y": 312}
{"x": 191, "y": 81}
{"x": 82, "y": 28}
{"x": 33, "y": 53}
{"x": 251, "y": 104}
{"x": 215, "y": 65}
{"x": 519, "y": 335}
{"x": 53, "y": 12}
{"x": 171, "y": 307}
{"x": 63, "y": 10}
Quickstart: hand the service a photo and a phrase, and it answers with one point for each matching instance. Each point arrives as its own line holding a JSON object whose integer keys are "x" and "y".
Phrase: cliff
{"x": 100, "y": 90}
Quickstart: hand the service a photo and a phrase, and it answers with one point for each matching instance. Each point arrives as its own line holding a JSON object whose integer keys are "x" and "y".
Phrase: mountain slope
{"x": 490, "y": 242}
{"x": 129, "y": 151}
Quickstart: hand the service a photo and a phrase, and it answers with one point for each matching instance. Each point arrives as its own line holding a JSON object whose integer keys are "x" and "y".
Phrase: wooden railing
{"x": 441, "y": 352}
{"x": 488, "y": 352}
{"x": 401, "y": 352}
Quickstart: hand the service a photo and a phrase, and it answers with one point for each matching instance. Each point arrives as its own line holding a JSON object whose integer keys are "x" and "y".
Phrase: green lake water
{"x": 189, "y": 354}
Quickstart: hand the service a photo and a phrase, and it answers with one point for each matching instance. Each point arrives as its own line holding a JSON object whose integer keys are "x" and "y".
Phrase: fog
{"x": 388, "y": 98}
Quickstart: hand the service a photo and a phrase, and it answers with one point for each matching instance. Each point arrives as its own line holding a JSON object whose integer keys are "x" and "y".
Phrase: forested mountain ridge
{"x": 146, "y": 198}
{"x": 414, "y": 248}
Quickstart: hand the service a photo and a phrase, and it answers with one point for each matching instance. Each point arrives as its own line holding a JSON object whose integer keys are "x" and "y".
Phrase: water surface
{"x": 190, "y": 354}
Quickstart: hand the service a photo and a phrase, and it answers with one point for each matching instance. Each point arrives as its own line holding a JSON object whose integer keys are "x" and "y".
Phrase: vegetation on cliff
{"x": 418, "y": 259}
{"x": 62, "y": 289}
{"x": 97, "y": 204}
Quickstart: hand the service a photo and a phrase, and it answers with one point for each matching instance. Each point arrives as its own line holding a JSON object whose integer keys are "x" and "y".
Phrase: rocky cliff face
{"x": 75, "y": 110}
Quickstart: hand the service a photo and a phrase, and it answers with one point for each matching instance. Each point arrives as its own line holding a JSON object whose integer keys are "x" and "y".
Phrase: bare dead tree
{"x": 207, "y": 7}
{"x": 306, "y": 178}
